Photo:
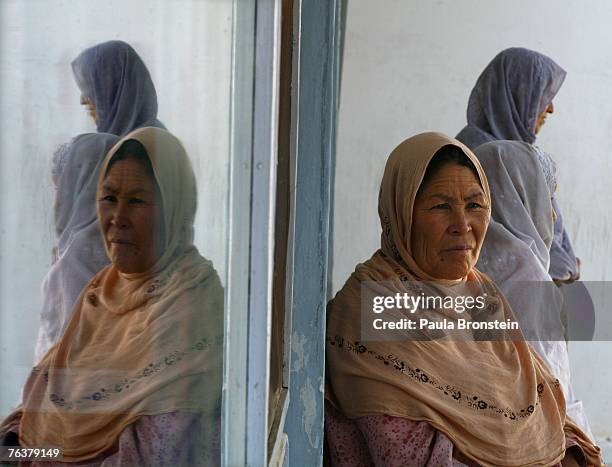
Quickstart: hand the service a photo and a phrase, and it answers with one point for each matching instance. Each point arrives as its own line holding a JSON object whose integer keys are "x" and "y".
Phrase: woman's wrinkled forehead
{"x": 408, "y": 164}
{"x": 131, "y": 175}
{"x": 133, "y": 149}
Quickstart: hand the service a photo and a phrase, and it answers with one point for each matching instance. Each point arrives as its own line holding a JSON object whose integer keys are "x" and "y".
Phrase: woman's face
{"x": 542, "y": 117}
{"x": 91, "y": 108}
{"x": 131, "y": 216}
{"x": 449, "y": 222}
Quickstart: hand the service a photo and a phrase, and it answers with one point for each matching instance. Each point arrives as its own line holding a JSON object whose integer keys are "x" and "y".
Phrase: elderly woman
{"x": 136, "y": 377}
{"x": 117, "y": 89}
{"x": 515, "y": 253}
{"x": 435, "y": 400}
{"x": 511, "y": 100}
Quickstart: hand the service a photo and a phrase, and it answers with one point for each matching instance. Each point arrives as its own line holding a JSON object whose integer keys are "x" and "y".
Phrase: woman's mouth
{"x": 119, "y": 241}
{"x": 459, "y": 249}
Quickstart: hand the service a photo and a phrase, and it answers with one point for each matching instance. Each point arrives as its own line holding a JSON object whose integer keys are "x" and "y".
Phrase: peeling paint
{"x": 308, "y": 398}
{"x": 315, "y": 153}
{"x": 300, "y": 360}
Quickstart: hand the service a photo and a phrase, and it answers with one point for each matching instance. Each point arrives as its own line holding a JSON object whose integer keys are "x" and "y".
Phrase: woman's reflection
{"x": 118, "y": 91}
{"x": 136, "y": 377}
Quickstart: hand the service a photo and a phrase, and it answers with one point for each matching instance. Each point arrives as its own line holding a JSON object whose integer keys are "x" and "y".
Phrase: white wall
{"x": 409, "y": 67}
{"x": 186, "y": 45}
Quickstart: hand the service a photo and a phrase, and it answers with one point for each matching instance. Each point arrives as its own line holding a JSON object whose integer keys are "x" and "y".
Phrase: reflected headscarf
{"x": 116, "y": 80}
{"x": 150, "y": 346}
{"x": 80, "y": 253}
{"x": 496, "y": 401}
{"x": 509, "y": 95}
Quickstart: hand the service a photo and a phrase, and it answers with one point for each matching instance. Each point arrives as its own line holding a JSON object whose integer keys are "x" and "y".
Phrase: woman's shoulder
{"x": 88, "y": 137}
{"x": 93, "y": 140}
{"x": 193, "y": 280}
{"x": 364, "y": 278}
{"x": 192, "y": 263}
{"x": 82, "y": 145}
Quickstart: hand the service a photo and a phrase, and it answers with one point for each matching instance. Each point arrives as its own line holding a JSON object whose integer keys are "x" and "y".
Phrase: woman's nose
{"x": 550, "y": 109}
{"x": 460, "y": 224}
{"x": 120, "y": 216}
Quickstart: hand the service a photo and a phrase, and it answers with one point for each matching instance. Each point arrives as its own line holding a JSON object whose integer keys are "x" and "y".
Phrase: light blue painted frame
{"x": 317, "y": 105}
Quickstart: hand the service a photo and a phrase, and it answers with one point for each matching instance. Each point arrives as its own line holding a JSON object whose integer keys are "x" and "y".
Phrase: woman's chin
{"x": 453, "y": 273}
{"x": 125, "y": 264}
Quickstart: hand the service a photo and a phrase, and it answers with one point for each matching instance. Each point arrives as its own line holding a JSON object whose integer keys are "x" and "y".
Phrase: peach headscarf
{"x": 151, "y": 347}
{"x": 496, "y": 401}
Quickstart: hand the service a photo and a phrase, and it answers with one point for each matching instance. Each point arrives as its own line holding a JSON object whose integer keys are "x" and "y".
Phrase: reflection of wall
{"x": 186, "y": 45}
{"x": 409, "y": 67}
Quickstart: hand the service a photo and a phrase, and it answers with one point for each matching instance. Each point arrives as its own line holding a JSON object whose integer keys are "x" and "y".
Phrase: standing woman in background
{"x": 136, "y": 377}
{"x": 117, "y": 90}
{"x": 511, "y": 99}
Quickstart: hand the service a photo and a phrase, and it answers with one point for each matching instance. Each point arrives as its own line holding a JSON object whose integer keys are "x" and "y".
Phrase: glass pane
{"x": 187, "y": 47}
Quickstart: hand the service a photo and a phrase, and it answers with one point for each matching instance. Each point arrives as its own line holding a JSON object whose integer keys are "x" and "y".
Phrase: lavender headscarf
{"x": 508, "y": 96}
{"x": 116, "y": 80}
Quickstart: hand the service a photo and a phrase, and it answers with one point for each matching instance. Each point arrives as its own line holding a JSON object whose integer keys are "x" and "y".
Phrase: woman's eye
{"x": 441, "y": 206}
{"x": 136, "y": 201}
{"x": 475, "y": 206}
{"x": 108, "y": 199}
